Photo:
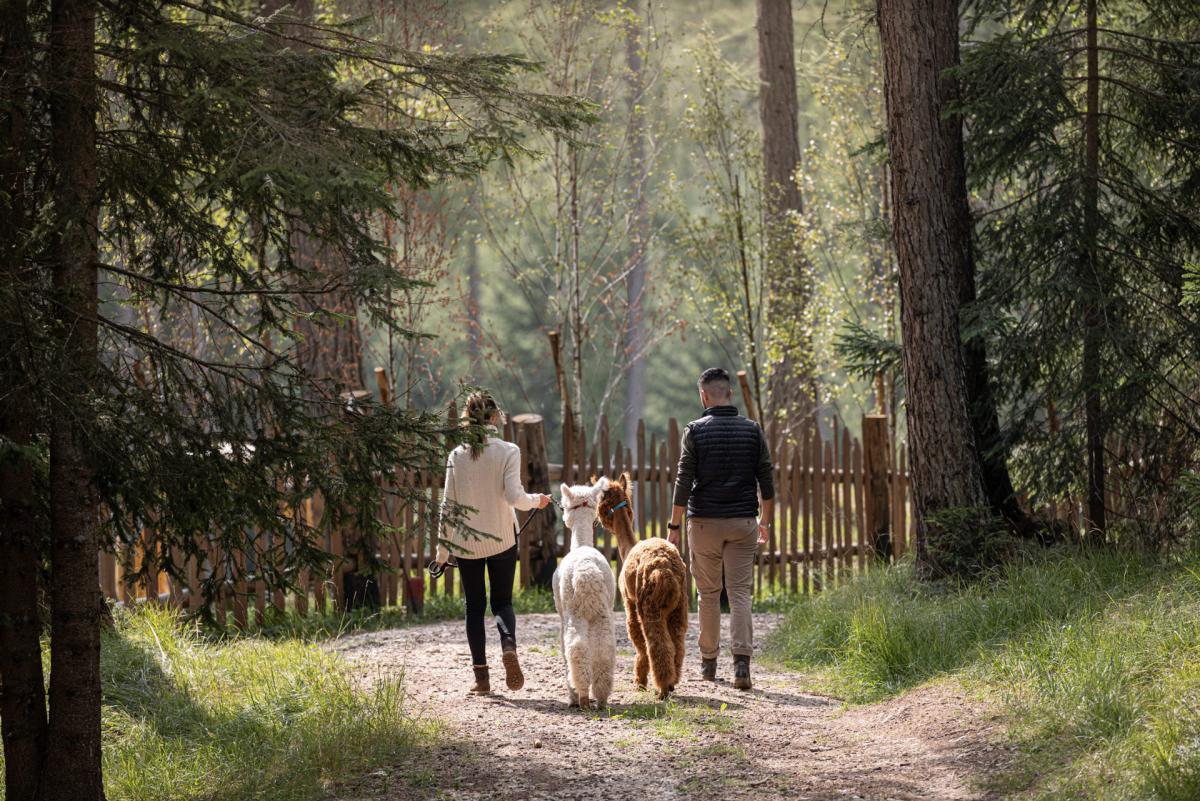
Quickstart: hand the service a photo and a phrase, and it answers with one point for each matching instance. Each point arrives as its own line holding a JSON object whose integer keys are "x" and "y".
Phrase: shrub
{"x": 966, "y": 541}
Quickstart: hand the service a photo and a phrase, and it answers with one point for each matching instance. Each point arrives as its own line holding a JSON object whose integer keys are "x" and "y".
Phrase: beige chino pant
{"x": 729, "y": 545}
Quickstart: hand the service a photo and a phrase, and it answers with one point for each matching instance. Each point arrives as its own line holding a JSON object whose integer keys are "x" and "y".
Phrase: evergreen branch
{"x": 1149, "y": 39}
{"x": 331, "y": 286}
{"x": 1157, "y": 133}
{"x": 230, "y": 370}
{"x": 1039, "y": 189}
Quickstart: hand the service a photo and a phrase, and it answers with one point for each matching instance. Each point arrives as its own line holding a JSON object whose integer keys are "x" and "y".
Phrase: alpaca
{"x": 654, "y": 588}
{"x": 584, "y": 590}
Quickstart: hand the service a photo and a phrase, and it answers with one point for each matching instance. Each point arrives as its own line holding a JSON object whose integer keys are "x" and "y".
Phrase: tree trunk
{"x": 920, "y": 42}
{"x": 22, "y": 687}
{"x": 635, "y": 284}
{"x": 327, "y": 350}
{"x": 1002, "y": 496}
{"x": 1092, "y": 376}
{"x": 72, "y": 766}
{"x": 576, "y": 327}
{"x": 985, "y": 419}
{"x": 474, "y": 295}
{"x": 792, "y": 387}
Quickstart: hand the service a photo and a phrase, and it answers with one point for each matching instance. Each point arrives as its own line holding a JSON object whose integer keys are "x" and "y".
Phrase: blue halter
{"x": 620, "y": 505}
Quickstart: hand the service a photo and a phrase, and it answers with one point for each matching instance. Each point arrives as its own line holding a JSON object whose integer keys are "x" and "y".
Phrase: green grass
{"x": 186, "y": 718}
{"x": 672, "y": 719}
{"x": 1096, "y": 657}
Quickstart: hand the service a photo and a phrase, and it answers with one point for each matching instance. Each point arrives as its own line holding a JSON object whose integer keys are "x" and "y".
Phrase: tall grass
{"x": 189, "y": 719}
{"x": 315, "y": 625}
{"x": 1095, "y": 655}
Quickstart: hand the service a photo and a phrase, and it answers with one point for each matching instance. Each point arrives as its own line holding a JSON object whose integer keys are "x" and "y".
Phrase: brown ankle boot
{"x": 708, "y": 669}
{"x": 741, "y": 671}
{"x": 513, "y": 677}
{"x": 483, "y": 685}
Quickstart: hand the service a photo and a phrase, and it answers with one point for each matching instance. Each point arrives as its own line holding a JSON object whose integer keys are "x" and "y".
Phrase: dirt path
{"x": 712, "y": 742}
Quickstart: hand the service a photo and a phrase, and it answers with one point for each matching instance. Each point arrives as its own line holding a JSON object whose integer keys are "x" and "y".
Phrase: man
{"x": 724, "y": 465}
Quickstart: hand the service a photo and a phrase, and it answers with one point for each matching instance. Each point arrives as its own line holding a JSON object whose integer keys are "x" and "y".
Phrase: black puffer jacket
{"x": 724, "y": 462}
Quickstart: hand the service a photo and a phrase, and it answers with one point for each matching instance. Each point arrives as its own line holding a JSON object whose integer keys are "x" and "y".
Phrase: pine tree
{"x": 1085, "y": 150}
{"x": 932, "y": 233}
{"x": 71, "y": 763}
{"x": 23, "y": 530}
{"x": 150, "y": 314}
{"x": 793, "y": 393}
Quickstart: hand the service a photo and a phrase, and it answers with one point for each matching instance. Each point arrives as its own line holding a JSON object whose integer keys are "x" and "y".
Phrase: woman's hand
{"x": 544, "y": 501}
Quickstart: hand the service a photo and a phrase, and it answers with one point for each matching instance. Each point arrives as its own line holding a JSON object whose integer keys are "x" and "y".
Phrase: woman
{"x": 485, "y": 478}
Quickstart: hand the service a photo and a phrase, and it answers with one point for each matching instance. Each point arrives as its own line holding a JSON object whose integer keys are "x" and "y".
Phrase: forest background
{"x": 505, "y": 276}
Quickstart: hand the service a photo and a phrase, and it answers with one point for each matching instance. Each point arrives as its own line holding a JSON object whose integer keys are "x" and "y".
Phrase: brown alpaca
{"x": 654, "y": 589}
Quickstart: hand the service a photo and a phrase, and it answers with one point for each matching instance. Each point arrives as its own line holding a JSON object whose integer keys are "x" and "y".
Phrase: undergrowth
{"x": 440, "y": 607}
{"x": 1095, "y": 655}
{"x": 185, "y": 718}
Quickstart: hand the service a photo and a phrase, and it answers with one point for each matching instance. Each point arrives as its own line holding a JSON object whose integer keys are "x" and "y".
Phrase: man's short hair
{"x": 715, "y": 381}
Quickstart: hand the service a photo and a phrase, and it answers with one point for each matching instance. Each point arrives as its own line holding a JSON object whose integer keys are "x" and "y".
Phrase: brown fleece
{"x": 654, "y": 589}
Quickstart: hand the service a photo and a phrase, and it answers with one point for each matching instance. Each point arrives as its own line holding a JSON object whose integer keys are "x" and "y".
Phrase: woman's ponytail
{"x": 479, "y": 410}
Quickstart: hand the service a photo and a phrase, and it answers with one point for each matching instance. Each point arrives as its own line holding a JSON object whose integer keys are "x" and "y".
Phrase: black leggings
{"x": 501, "y": 570}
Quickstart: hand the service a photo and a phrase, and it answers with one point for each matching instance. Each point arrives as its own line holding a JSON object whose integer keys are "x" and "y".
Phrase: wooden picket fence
{"x": 840, "y": 501}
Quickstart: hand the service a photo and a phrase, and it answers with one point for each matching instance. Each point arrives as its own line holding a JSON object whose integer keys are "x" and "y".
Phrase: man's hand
{"x": 764, "y": 533}
{"x": 673, "y": 537}
{"x": 544, "y": 501}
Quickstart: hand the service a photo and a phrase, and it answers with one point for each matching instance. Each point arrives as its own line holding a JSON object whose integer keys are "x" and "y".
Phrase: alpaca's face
{"x": 616, "y": 503}
{"x": 581, "y": 502}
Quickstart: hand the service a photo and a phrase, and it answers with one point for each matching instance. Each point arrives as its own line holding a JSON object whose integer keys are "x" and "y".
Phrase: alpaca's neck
{"x": 582, "y": 534}
{"x": 625, "y": 538}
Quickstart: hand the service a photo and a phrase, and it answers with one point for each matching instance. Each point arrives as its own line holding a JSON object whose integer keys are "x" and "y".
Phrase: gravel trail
{"x": 711, "y": 742}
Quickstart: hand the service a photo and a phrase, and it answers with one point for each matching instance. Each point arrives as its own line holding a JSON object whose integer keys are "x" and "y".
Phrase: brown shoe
{"x": 741, "y": 672}
{"x": 513, "y": 677}
{"x": 708, "y": 669}
{"x": 483, "y": 685}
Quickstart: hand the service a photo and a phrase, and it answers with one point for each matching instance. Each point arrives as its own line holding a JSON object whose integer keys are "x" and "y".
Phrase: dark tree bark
{"x": 985, "y": 419}
{"x": 639, "y": 228}
{"x": 22, "y": 688}
{"x": 1096, "y": 523}
{"x": 72, "y": 766}
{"x": 328, "y": 350}
{"x": 792, "y": 389}
{"x": 932, "y": 235}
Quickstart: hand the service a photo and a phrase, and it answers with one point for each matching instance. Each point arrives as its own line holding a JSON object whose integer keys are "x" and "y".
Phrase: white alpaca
{"x": 584, "y": 589}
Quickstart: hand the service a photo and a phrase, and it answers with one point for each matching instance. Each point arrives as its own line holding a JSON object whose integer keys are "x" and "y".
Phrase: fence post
{"x": 875, "y": 465}
{"x": 537, "y": 541}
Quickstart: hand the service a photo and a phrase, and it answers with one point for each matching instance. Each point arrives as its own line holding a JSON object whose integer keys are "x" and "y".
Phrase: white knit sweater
{"x": 491, "y": 487}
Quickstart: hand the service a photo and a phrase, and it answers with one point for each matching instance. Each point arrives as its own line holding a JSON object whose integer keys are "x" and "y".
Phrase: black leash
{"x": 532, "y": 515}
{"x": 437, "y": 568}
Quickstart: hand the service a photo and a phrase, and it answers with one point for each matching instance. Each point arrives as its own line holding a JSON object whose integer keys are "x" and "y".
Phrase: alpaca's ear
{"x": 602, "y": 483}
{"x": 624, "y": 482}
{"x": 566, "y": 493}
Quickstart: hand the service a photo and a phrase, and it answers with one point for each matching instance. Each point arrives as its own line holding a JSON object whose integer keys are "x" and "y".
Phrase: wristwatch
{"x": 673, "y": 526}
